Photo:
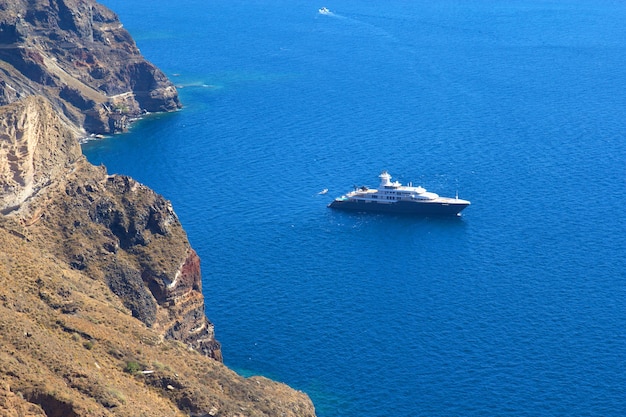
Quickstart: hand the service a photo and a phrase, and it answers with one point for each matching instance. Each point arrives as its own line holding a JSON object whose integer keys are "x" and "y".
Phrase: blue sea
{"x": 517, "y": 308}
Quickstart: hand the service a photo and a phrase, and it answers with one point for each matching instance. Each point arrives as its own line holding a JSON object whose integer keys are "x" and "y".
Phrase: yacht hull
{"x": 450, "y": 207}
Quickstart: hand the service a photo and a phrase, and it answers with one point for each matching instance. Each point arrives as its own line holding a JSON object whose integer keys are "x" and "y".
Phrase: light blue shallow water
{"x": 515, "y": 309}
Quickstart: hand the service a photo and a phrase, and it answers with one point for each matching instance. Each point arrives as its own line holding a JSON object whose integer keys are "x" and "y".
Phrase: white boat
{"x": 324, "y": 10}
{"x": 393, "y": 197}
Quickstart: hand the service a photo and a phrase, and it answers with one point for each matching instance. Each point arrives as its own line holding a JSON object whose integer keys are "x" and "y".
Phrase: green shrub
{"x": 118, "y": 395}
{"x": 132, "y": 367}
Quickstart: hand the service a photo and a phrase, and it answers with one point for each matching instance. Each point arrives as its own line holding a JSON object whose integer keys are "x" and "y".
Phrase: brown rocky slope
{"x": 101, "y": 305}
{"x": 101, "y": 310}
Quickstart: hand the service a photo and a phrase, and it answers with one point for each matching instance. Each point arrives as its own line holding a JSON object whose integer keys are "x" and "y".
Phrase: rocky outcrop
{"x": 111, "y": 227}
{"x": 101, "y": 305}
{"x": 77, "y": 53}
{"x": 13, "y": 405}
{"x": 70, "y": 348}
{"x": 35, "y": 151}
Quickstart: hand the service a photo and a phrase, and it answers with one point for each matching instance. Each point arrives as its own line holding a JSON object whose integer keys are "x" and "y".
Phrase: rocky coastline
{"x": 101, "y": 303}
{"x": 78, "y": 55}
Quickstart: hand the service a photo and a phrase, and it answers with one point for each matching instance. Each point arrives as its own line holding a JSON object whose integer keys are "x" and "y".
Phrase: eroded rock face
{"x": 101, "y": 309}
{"x": 101, "y": 305}
{"x": 12, "y": 405}
{"x": 34, "y": 151}
{"x": 70, "y": 348}
{"x": 110, "y": 227}
{"x": 77, "y": 54}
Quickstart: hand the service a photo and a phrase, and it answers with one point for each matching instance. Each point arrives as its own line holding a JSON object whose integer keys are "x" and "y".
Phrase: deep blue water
{"x": 518, "y": 308}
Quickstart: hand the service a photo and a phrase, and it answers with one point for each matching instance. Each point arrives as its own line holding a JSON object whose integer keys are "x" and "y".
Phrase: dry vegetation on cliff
{"x": 101, "y": 305}
{"x": 101, "y": 309}
{"x": 71, "y": 347}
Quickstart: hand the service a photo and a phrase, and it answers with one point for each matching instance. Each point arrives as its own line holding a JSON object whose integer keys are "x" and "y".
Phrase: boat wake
{"x": 197, "y": 85}
{"x": 326, "y": 12}
{"x": 363, "y": 25}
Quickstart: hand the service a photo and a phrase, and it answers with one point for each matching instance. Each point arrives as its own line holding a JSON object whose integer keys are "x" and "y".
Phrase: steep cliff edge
{"x": 111, "y": 227}
{"x": 101, "y": 305}
{"x": 78, "y": 55}
{"x": 35, "y": 150}
{"x": 101, "y": 309}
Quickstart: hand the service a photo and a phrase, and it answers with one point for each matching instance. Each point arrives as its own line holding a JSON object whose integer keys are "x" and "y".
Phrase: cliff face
{"x": 35, "y": 151}
{"x": 101, "y": 305}
{"x": 71, "y": 348}
{"x": 101, "y": 309}
{"x": 76, "y": 53}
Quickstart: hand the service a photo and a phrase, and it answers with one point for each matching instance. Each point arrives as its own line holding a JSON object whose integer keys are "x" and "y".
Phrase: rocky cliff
{"x": 101, "y": 309}
{"x": 101, "y": 305}
{"x": 77, "y": 53}
{"x": 111, "y": 227}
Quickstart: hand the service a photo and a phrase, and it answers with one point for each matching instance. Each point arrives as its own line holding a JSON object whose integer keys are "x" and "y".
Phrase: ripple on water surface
{"x": 514, "y": 309}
